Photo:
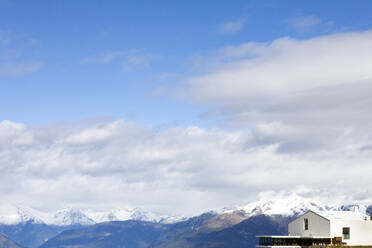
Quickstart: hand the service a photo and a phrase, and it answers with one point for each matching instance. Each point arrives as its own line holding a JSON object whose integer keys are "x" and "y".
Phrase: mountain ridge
{"x": 5, "y": 242}
{"x": 33, "y": 231}
{"x": 75, "y": 216}
{"x": 281, "y": 204}
{"x": 226, "y": 228}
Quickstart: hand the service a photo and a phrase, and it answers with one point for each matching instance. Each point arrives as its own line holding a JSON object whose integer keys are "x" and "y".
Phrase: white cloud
{"x": 304, "y": 23}
{"x": 301, "y": 112}
{"x": 232, "y": 27}
{"x": 129, "y": 59}
{"x": 313, "y": 93}
{"x": 288, "y": 66}
{"x": 19, "y": 67}
{"x": 14, "y": 52}
{"x": 183, "y": 169}
{"x": 93, "y": 135}
{"x": 108, "y": 57}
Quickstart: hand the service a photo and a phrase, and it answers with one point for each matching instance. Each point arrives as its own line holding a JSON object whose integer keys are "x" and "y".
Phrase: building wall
{"x": 318, "y": 226}
{"x": 360, "y": 231}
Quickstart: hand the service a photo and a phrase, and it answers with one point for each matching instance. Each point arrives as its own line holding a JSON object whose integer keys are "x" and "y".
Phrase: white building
{"x": 325, "y": 228}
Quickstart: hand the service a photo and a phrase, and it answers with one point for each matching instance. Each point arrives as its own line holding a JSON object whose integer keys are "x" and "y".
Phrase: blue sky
{"x": 165, "y": 38}
{"x": 183, "y": 106}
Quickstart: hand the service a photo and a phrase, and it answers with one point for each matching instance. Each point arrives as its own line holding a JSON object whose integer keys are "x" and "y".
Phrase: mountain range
{"x": 136, "y": 228}
{"x": 73, "y": 216}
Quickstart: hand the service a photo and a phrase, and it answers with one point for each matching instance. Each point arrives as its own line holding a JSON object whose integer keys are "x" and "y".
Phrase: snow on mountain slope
{"x": 131, "y": 214}
{"x": 69, "y": 216}
{"x": 285, "y": 204}
{"x": 288, "y": 204}
{"x": 12, "y": 215}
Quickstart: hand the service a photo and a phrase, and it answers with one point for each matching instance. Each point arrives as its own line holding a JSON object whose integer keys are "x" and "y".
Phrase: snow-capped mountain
{"x": 289, "y": 204}
{"x": 284, "y": 204}
{"x": 15, "y": 215}
{"x": 69, "y": 216}
{"x": 131, "y": 214}
{"x": 278, "y": 208}
{"x": 72, "y": 216}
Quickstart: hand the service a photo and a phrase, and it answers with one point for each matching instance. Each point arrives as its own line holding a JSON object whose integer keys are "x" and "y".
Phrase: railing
{"x": 294, "y": 241}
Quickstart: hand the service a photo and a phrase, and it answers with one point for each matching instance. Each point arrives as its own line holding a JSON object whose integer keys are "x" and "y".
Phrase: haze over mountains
{"x": 138, "y": 228}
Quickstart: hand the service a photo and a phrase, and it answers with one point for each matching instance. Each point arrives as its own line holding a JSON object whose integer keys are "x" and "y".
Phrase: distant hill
{"x": 74, "y": 216}
{"x": 8, "y": 243}
{"x": 31, "y": 234}
{"x": 239, "y": 235}
{"x": 233, "y": 227}
{"x": 242, "y": 234}
{"x": 115, "y": 234}
{"x": 32, "y": 228}
{"x": 192, "y": 233}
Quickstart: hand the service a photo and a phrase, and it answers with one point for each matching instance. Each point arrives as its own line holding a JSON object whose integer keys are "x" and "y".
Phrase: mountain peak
{"x": 70, "y": 216}
{"x": 292, "y": 204}
{"x": 27, "y": 215}
{"x": 12, "y": 215}
{"x": 284, "y": 204}
{"x": 121, "y": 214}
{"x": 269, "y": 203}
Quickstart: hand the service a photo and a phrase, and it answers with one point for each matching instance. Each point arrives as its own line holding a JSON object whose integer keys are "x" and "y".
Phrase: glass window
{"x": 346, "y": 233}
{"x": 306, "y": 224}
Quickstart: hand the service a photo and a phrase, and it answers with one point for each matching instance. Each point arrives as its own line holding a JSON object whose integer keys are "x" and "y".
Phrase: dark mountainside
{"x": 7, "y": 243}
{"x": 193, "y": 233}
{"x": 239, "y": 235}
{"x": 210, "y": 230}
{"x": 31, "y": 234}
{"x": 115, "y": 234}
{"x": 243, "y": 234}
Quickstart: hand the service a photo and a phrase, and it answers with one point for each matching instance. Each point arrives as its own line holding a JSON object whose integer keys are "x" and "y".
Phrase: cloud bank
{"x": 181, "y": 170}
{"x": 303, "y": 94}
{"x": 297, "y": 117}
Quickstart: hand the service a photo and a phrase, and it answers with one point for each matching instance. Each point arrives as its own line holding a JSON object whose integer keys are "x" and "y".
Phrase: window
{"x": 346, "y": 233}
{"x": 306, "y": 224}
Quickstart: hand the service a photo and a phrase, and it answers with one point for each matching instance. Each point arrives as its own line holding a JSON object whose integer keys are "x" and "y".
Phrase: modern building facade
{"x": 349, "y": 228}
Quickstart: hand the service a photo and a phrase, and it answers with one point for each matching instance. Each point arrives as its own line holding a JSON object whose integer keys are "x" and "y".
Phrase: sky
{"x": 183, "y": 106}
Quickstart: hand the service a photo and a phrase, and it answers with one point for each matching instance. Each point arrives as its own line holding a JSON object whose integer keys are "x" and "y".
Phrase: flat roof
{"x": 292, "y": 237}
{"x": 339, "y": 215}
{"x": 278, "y": 246}
{"x": 344, "y": 215}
